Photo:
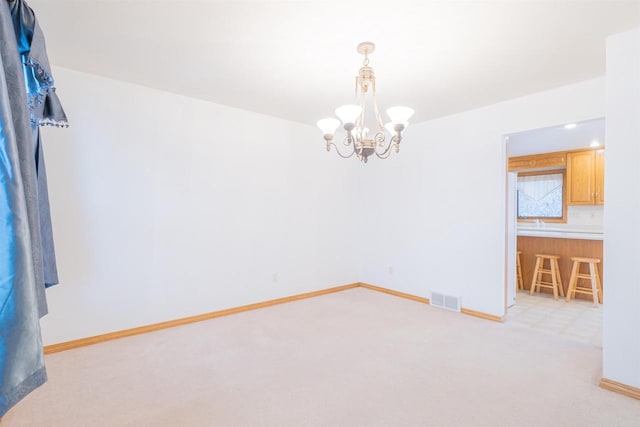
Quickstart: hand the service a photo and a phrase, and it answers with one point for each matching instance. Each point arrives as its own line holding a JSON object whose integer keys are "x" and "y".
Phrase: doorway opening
{"x": 555, "y": 206}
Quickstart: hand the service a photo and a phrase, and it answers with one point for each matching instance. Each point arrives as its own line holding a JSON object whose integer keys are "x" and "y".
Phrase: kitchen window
{"x": 541, "y": 196}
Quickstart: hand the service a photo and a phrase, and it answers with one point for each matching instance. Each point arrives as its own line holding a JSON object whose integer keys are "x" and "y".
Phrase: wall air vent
{"x": 445, "y": 301}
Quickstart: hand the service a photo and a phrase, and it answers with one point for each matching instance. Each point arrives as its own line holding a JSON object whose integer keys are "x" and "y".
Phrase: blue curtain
{"x": 27, "y": 260}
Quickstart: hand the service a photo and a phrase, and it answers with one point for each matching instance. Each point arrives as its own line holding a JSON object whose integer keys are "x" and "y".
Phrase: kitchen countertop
{"x": 562, "y": 231}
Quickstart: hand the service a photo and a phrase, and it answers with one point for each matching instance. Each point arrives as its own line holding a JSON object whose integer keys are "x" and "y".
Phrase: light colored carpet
{"x": 354, "y": 358}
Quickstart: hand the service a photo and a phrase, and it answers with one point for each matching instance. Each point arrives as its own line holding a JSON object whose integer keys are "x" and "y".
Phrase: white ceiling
{"x": 297, "y": 59}
{"x": 557, "y": 138}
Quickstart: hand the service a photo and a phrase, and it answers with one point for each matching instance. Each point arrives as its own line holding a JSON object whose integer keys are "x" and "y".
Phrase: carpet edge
{"x": 96, "y": 339}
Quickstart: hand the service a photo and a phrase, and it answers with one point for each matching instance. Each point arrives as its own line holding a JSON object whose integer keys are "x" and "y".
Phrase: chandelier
{"x": 359, "y": 140}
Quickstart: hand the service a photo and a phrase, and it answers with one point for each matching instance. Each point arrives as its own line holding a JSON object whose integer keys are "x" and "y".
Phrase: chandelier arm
{"x": 329, "y": 144}
{"x": 386, "y": 153}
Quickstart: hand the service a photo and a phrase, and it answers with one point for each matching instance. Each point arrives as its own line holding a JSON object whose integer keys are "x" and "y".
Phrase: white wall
{"x": 165, "y": 206}
{"x": 621, "y": 334}
{"x": 436, "y": 212}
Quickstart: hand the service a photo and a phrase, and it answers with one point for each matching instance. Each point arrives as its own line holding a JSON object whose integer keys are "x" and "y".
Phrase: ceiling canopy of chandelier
{"x": 359, "y": 140}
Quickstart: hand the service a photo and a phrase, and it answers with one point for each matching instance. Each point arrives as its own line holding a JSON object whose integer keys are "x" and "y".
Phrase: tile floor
{"x": 577, "y": 320}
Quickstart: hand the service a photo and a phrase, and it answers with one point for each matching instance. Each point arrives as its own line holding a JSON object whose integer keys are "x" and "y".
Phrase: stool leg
{"x": 521, "y": 286}
{"x": 536, "y": 273}
{"x": 600, "y": 296}
{"x": 560, "y": 286}
{"x": 519, "y": 283}
{"x": 554, "y": 280}
{"x": 571, "y": 290}
{"x": 594, "y": 285}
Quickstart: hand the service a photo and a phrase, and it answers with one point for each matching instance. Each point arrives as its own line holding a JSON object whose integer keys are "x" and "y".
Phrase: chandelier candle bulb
{"x": 359, "y": 139}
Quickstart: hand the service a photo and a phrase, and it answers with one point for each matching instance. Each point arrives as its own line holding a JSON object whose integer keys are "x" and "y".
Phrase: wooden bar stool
{"x": 554, "y": 271}
{"x": 519, "y": 283}
{"x": 595, "y": 288}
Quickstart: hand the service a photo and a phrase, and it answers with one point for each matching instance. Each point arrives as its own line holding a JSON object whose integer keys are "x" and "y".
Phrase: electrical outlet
{"x": 274, "y": 278}
{"x": 390, "y": 270}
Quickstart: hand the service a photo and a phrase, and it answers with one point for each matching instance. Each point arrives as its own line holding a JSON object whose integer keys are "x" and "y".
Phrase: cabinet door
{"x": 599, "y": 176}
{"x": 580, "y": 178}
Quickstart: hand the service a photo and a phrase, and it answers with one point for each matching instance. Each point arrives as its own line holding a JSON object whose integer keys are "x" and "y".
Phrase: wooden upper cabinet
{"x": 599, "y": 176}
{"x": 537, "y": 161}
{"x": 585, "y": 177}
